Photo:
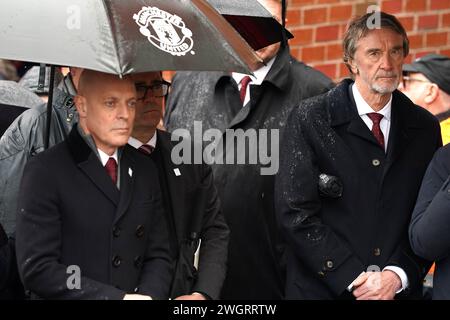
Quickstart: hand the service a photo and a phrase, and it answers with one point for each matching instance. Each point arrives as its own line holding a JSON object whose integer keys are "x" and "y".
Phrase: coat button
{"x": 329, "y": 264}
{"x": 138, "y": 261}
{"x": 376, "y": 162}
{"x": 136, "y": 290}
{"x": 377, "y": 252}
{"x": 116, "y": 231}
{"x": 140, "y": 231}
{"x": 116, "y": 261}
{"x": 69, "y": 102}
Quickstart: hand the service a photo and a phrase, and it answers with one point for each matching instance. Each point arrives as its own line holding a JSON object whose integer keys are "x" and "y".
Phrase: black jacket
{"x": 255, "y": 268}
{"x": 429, "y": 230}
{"x": 71, "y": 213}
{"x": 332, "y": 240}
{"x": 194, "y": 214}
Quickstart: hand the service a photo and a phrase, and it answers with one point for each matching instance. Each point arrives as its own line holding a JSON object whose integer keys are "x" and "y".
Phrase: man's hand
{"x": 194, "y": 296}
{"x": 136, "y": 297}
{"x": 378, "y": 286}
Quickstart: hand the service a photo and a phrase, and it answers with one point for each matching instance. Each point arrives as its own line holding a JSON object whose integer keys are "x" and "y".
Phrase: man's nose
{"x": 124, "y": 111}
{"x": 386, "y": 62}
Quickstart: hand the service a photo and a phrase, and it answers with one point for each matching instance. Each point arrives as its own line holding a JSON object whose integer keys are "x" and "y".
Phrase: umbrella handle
{"x": 49, "y": 106}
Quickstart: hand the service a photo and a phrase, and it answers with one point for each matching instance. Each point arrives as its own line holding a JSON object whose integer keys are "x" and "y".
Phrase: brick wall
{"x": 319, "y": 25}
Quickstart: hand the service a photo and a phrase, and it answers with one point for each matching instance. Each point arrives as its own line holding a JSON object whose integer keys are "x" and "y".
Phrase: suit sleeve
{"x": 214, "y": 246}
{"x": 298, "y": 208}
{"x": 38, "y": 241}
{"x": 428, "y": 231}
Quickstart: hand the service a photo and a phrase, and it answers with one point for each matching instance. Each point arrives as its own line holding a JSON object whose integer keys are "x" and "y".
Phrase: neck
{"x": 144, "y": 135}
{"x": 374, "y": 99}
{"x": 107, "y": 150}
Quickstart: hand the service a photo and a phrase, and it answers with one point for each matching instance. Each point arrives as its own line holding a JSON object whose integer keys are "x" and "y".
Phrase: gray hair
{"x": 359, "y": 28}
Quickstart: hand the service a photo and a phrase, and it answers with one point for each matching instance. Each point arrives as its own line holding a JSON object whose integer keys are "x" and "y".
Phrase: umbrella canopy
{"x": 253, "y": 22}
{"x": 122, "y": 37}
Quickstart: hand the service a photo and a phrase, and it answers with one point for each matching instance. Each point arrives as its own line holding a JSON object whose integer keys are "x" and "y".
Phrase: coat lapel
{"x": 402, "y": 127}
{"x": 91, "y": 166}
{"x": 126, "y": 183}
{"x": 98, "y": 175}
{"x": 343, "y": 110}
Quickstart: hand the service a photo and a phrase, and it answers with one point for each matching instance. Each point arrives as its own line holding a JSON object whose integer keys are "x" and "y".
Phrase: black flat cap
{"x": 435, "y": 67}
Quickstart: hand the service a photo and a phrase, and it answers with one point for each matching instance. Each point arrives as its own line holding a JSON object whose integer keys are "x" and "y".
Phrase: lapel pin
{"x": 130, "y": 172}
{"x": 177, "y": 172}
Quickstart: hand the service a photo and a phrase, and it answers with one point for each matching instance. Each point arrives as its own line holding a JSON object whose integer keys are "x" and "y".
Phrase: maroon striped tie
{"x": 146, "y": 149}
{"x": 111, "y": 168}
{"x": 244, "y": 84}
{"x": 376, "y": 130}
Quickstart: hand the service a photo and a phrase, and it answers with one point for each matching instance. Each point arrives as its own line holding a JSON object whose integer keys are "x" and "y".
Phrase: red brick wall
{"x": 318, "y": 27}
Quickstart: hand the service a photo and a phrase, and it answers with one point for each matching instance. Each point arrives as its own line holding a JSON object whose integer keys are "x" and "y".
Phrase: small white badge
{"x": 177, "y": 172}
{"x": 165, "y": 31}
{"x": 130, "y": 172}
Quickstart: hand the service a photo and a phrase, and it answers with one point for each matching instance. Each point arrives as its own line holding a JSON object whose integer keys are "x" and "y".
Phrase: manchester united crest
{"x": 165, "y": 31}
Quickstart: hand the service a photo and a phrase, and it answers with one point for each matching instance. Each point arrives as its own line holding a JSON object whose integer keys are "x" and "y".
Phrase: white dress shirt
{"x": 364, "y": 108}
{"x": 257, "y": 79}
{"x": 385, "y": 126}
{"x": 104, "y": 157}
{"x": 137, "y": 144}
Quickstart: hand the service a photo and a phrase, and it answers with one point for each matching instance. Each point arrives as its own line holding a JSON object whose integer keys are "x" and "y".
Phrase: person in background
{"x": 252, "y": 103}
{"x": 426, "y": 82}
{"x": 190, "y": 199}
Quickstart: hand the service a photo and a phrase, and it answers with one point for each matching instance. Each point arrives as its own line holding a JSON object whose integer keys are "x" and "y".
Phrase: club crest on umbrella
{"x": 165, "y": 31}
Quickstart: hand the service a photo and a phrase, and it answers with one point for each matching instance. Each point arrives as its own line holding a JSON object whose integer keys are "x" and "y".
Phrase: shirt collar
{"x": 364, "y": 108}
{"x": 259, "y": 75}
{"x": 137, "y": 144}
{"x": 104, "y": 157}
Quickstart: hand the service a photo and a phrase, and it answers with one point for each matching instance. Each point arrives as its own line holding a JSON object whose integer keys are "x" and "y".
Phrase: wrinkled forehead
{"x": 383, "y": 38}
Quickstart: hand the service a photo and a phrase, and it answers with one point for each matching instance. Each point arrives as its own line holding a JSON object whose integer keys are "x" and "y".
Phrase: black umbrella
{"x": 122, "y": 37}
{"x": 254, "y": 23}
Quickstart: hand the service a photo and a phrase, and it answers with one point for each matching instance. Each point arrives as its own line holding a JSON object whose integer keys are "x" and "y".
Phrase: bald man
{"x": 89, "y": 222}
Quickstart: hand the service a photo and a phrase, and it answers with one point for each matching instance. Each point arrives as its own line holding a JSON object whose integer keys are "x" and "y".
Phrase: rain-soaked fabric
{"x": 122, "y": 37}
{"x": 331, "y": 240}
{"x": 12, "y": 93}
{"x": 255, "y": 263}
{"x": 24, "y": 139}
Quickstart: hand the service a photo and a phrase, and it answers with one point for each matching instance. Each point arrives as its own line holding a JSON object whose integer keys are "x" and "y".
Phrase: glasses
{"x": 405, "y": 79}
{"x": 157, "y": 90}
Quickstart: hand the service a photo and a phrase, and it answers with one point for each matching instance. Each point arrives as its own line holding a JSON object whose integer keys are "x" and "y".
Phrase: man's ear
{"x": 80, "y": 103}
{"x": 432, "y": 93}
{"x": 353, "y": 66}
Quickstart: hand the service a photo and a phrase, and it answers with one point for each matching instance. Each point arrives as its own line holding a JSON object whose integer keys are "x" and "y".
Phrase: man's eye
{"x": 132, "y": 104}
{"x": 109, "y": 103}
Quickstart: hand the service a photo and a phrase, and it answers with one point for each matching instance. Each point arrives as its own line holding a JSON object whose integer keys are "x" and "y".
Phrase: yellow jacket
{"x": 445, "y": 131}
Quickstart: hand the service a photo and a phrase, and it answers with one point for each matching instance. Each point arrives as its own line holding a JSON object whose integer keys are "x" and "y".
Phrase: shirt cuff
{"x": 350, "y": 287}
{"x": 401, "y": 274}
